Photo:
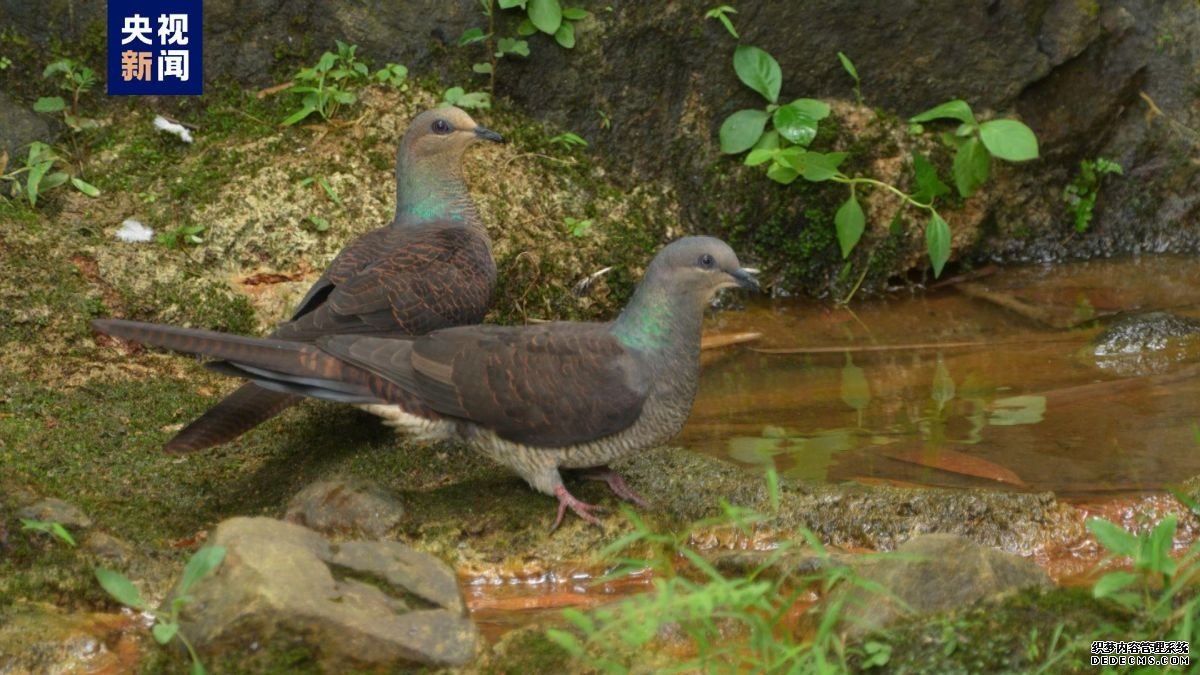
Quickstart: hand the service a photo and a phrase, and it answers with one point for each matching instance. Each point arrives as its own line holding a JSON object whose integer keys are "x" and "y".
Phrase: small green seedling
{"x": 722, "y": 14}
{"x": 331, "y": 84}
{"x": 1082, "y": 192}
{"x": 166, "y": 623}
{"x": 39, "y": 177}
{"x": 74, "y": 78}
{"x": 568, "y": 140}
{"x": 53, "y": 528}
{"x": 181, "y": 236}
{"x": 577, "y": 226}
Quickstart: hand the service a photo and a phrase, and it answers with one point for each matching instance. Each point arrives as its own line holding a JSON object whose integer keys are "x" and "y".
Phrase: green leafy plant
{"x": 736, "y": 623}
{"x": 784, "y": 150}
{"x": 568, "y": 140}
{"x": 181, "y": 236}
{"x": 41, "y": 174}
{"x": 462, "y": 98}
{"x": 74, "y": 78}
{"x": 1161, "y": 587}
{"x": 332, "y": 82}
{"x": 166, "y": 622}
{"x": 1080, "y": 195}
{"x": 53, "y": 528}
{"x": 541, "y": 16}
{"x": 578, "y": 227}
{"x": 5, "y": 63}
{"x": 721, "y": 14}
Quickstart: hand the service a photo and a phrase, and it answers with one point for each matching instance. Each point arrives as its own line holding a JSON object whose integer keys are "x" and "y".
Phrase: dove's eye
{"x": 706, "y": 261}
{"x": 442, "y": 127}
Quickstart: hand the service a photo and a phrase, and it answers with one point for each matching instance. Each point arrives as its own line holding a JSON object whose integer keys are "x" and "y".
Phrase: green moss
{"x": 1012, "y": 635}
{"x": 528, "y": 651}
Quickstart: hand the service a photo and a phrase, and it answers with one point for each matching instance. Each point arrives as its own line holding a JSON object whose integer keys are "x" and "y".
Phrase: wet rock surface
{"x": 1146, "y": 344}
{"x": 934, "y": 573}
{"x": 338, "y": 507}
{"x": 39, "y": 638}
{"x": 367, "y": 603}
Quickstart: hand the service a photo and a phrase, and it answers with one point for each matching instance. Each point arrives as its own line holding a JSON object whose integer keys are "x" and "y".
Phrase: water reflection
{"x": 958, "y": 389}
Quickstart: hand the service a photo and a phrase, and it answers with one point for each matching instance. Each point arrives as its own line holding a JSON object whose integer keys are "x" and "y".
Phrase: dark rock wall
{"x": 1082, "y": 73}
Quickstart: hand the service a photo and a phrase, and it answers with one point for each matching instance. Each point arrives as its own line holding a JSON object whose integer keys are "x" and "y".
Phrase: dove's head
{"x": 444, "y": 132}
{"x": 698, "y": 267}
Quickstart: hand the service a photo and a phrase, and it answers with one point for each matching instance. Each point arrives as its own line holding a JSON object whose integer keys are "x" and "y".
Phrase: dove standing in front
{"x": 565, "y": 395}
{"x": 430, "y": 268}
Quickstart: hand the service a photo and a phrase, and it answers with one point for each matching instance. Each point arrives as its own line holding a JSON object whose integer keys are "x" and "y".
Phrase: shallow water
{"x": 951, "y": 389}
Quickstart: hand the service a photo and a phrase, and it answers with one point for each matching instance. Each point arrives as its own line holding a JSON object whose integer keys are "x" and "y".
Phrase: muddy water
{"x": 989, "y": 383}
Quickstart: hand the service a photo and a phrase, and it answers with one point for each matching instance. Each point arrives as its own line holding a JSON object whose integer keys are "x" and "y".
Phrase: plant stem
{"x": 842, "y": 178}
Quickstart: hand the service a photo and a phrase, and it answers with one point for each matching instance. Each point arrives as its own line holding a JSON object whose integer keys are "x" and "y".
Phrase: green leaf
{"x": 33, "y": 181}
{"x": 565, "y": 35}
{"x": 820, "y": 167}
{"x": 49, "y": 104}
{"x": 482, "y": 68}
{"x": 759, "y": 156}
{"x": 1113, "y": 537}
{"x": 509, "y": 4}
{"x": 85, "y": 187}
{"x": 203, "y": 561}
{"x": 319, "y": 224}
{"x": 163, "y": 632}
{"x": 770, "y": 141}
{"x": 741, "y": 130}
{"x": 971, "y": 163}
{"x": 1112, "y": 582}
{"x": 512, "y": 46}
{"x": 1009, "y": 140}
{"x": 782, "y": 174}
{"x": 299, "y": 115}
{"x": 546, "y": 15}
{"x": 955, "y": 110}
{"x": 478, "y": 100}
{"x": 526, "y": 28}
{"x": 121, "y": 588}
{"x": 758, "y": 70}
{"x": 453, "y": 94}
{"x": 1154, "y": 553}
{"x": 811, "y": 107}
{"x": 850, "y": 223}
{"x": 937, "y": 243}
{"x": 471, "y": 36}
{"x": 52, "y": 181}
{"x": 848, "y": 65}
{"x": 575, "y": 13}
{"x": 198, "y": 668}
{"x": 794, "y": 125}
{"x": 929, "y": 186}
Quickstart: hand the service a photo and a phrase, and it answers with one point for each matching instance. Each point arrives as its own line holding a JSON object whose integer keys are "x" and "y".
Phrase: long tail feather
{"x": 247, "y": 407}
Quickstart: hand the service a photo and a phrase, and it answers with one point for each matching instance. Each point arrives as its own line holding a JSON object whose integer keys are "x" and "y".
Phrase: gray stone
{"x": 277, "y": 583}
{"x": 333, "y": 506}
{"x": 934, "y": 573}
{"x": 57, "y": 511}
{"x": 102, "y": 545}
{"x": 20, "y": 126}
{"x": 1146, "y": 344}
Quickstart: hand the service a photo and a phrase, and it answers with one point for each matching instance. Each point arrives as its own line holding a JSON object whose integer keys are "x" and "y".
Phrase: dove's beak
{"x": 744, "y": 277}
{"x": 488, "y": 135}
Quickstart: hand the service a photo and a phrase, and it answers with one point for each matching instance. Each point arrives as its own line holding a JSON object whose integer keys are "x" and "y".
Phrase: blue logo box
{"x": 155, "y": 47}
